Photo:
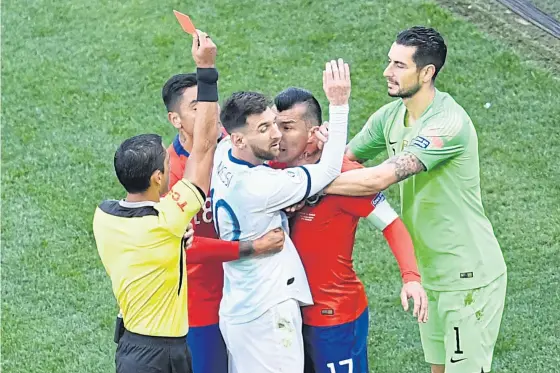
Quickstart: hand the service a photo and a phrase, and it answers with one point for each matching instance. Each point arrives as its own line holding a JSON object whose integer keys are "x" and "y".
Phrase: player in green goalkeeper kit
{"x": 433, "y": 149}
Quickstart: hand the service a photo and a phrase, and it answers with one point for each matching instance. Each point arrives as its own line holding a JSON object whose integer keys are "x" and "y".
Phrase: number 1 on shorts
{"x": 458, "y": 351}
{"x": 341, "y": 363}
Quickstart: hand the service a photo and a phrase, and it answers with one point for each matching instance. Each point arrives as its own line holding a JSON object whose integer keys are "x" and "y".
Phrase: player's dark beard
{"x": 263, "y": 154}
{"x": 408, "y": 93}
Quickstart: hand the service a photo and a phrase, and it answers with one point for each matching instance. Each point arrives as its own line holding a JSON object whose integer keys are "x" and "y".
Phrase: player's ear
{"x": 238, "y": 140}
{"x": 157, "y": 178}
{"x": 427, "y": 73}
{"x": 311, "y": 134}
{"x": 174, "y": 119}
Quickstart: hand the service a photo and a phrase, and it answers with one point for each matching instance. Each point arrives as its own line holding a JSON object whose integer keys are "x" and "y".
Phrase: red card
{"x": 185, "y": 22}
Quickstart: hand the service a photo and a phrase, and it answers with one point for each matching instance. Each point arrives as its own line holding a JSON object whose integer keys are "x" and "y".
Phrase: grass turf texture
{"x": 80, "y": 76}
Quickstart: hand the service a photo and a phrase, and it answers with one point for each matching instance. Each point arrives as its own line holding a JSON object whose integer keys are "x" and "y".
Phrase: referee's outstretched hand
{"x": 203, "y": 50}
{"x": 336, "y": 82}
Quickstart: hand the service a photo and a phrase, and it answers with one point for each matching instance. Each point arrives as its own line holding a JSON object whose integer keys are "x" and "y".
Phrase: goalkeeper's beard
{"x": 407, "y": 93}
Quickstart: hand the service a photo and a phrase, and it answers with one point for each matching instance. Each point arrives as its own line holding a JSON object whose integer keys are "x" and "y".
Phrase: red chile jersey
{"x": 205, "y": 281}
{"x": 323, "y": 233}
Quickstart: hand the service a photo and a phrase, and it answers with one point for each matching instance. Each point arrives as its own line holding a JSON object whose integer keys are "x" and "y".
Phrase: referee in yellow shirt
{"x": 140, "y": 238}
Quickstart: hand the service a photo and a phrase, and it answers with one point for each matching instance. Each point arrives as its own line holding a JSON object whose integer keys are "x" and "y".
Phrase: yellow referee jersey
{"x": 140, "y": 245}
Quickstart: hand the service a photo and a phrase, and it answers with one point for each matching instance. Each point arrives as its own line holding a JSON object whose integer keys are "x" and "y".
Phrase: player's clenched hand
{"x": 189, "y": 236}
{"x": 203, "y": 50}
{"x": 272, "y": 242}
{"x": 336, "y": 82}
{"x": 415, "y": 291}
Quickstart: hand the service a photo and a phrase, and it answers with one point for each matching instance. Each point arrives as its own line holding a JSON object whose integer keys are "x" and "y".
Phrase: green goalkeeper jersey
{"x": 442, "y": 208}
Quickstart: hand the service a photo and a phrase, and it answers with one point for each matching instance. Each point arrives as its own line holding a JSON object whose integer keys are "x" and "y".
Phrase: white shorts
{"x": 271, "y": 343}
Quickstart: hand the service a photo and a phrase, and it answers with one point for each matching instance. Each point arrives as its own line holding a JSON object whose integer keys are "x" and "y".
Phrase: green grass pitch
{"x": 80, "y": 76}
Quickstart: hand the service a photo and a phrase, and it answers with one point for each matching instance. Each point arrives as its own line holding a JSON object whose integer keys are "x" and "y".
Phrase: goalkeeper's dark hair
{"x": 136, "y": 159}
{"x": 289, "y": 97}
{"x": 430, "y": 46}
{"x": 239, "y": 106}
{"x": 174, "y": 88}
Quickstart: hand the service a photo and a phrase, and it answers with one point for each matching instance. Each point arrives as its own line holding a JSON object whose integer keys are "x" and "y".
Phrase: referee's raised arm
{"x": 206, "y": 121}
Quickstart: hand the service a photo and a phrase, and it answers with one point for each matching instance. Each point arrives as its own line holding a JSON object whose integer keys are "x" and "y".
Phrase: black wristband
{"x": 207, "y": 83}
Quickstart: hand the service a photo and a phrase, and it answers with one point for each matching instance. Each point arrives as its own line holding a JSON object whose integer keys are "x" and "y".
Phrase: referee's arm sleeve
{"x": 178, "y": 207}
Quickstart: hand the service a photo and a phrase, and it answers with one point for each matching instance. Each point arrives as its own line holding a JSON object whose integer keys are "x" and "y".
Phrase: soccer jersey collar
{"x": 133, "y": 205}
{"x": 242, "y": 162}
{"x": 437, "y": 98}
{"x": 179, "y": 147}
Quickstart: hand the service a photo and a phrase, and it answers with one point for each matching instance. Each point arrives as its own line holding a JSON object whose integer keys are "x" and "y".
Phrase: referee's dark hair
{"x": 136, "y": 159}
{"x": 430, "y": 46}
{"x": 174, "y": 88}
{"x": 239, "y": 106}
{"x": 289, "y": 97}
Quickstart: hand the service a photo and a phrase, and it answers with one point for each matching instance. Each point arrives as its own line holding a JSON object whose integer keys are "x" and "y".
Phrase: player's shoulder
{"x": 263, "y": 174}
{"x": 447, "y": 118}
{"x": 446, "y": 109}
{"x": 348, "y": 164}
{"x": 382, "y": 116}
{"x": 263, "y": 178}
{"x": 390, "y": 107}
{"x": 224, "y": 146}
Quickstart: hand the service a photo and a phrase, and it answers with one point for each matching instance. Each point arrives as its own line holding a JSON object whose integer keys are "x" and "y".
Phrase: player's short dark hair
{"x": 430, "y": 46}
{"x": 289, "y": 97}
{"x": 136, "y": 159}
{"x": 174, "y": 88}
{"x": 239, "y": 106}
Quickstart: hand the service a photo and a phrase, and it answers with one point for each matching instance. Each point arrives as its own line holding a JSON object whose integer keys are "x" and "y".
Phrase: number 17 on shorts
{"x": 343, "y": 366}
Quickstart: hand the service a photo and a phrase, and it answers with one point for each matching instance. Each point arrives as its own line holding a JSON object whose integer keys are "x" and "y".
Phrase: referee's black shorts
{"x": 145, "y": 354}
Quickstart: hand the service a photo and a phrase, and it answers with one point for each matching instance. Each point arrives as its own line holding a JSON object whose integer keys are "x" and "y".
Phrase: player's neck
{"x": 419, "y": 102}
{"x": 306, "y": 158}
{"x": 186, "y": 141}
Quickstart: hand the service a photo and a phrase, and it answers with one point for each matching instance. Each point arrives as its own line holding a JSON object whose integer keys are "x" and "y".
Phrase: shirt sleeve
{"x": 370, "y": 141}
{"x": 178, "y": 207}
{"x": 208, "y": 250}
{"x": 174, "y": 178}
{"x": 376, "y": 208}
{"x": 446, "y": 136}
{"x": 399, "y": 241}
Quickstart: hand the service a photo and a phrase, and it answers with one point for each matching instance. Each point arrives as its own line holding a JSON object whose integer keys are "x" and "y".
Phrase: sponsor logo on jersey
{"x": 294, "y": 175}
{"x": 306, "y": 216}
{"x": 420, "y": 142}
{"x": 380, "y": 197}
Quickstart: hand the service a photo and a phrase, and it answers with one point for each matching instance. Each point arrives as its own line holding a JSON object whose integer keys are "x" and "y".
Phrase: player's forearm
{"x": 362, "y": 182}
{"x": 399, "y": 241}
{"x": 329, "y": 166}
{"x": 205, "y": 131}
{"x": 212, "y": 250}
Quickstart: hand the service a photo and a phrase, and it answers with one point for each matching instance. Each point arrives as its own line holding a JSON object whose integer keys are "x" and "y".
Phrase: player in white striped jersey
{"x": 260, "y": 317}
